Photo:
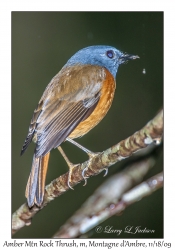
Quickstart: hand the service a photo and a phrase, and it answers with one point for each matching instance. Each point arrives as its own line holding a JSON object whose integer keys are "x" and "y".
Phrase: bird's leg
{"x": 91, "y": 156}
{"x": 87, "y": 151}
{"x": 70, "y": 165}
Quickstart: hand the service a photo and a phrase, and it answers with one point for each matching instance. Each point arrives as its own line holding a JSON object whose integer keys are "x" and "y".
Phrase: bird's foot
{"x": 70, "y": 165}
{"x": 91, "y": 157}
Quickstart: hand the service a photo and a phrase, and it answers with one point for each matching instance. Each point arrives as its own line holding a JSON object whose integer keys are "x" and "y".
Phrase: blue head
{"x": 105, "y": 56}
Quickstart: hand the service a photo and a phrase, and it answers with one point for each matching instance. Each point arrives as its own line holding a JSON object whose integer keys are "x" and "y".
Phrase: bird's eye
{"x": 110, "y": 54}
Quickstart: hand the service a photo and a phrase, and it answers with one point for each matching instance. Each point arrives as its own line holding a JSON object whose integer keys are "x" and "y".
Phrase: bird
{"x": 77, "y": 98}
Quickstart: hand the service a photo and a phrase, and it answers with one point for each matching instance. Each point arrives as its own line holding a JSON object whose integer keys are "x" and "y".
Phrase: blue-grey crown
{"x": 105, "y": 56}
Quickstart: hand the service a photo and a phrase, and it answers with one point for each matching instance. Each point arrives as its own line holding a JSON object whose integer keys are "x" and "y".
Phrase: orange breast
{"x": 106, "y": 98}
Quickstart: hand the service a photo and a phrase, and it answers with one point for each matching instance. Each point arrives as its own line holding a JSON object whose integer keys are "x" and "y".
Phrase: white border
{"x": 5, "y": 93}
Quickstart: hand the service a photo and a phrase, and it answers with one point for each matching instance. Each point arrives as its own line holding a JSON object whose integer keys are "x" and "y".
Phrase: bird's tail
{"x": 36, "y": 182}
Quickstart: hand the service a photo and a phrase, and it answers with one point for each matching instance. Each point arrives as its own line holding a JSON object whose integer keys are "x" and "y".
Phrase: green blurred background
{"x": 42, "y": 42}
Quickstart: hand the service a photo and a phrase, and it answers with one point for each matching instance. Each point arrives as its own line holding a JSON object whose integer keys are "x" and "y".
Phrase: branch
{"x": 151, "y": 132}
{"x": 136, "y": 194}
{"x": 111, "y": 198}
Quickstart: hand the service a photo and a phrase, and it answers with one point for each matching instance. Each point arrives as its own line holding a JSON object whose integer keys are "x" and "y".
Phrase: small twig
{"x": 141, "y": 139}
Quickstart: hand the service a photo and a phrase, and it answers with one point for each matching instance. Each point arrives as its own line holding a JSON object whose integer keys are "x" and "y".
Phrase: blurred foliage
{"x": 42, "y": 42}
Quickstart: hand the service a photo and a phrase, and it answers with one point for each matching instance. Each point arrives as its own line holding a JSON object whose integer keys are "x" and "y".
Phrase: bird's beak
{"x": 125, "y": 57}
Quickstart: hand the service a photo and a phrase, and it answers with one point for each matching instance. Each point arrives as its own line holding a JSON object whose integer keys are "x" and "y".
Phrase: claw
{"x": 68, "y": 181}
{"x": 106, "y": 171}
{"x": 71, "y": 167}
{"x": 85, "y": 182}
{"x": 85, "y": 178}
{"x": 91, "y": 156}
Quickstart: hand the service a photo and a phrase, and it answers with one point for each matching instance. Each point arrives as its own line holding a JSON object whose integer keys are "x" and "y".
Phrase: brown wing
{"x": 32, "y": 127}
{"x": 70, "y": 98}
